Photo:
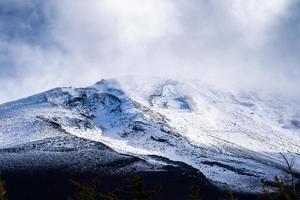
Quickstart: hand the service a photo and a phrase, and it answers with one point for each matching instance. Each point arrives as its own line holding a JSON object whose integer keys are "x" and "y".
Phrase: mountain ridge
{"x": 235, "y": 140}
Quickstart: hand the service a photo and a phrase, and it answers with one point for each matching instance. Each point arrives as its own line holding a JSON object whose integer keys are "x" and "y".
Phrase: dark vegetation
{"x": 135, "y": 190}
{"x": 280, "y": 189}
{"x": 56, "y": 185}
{"x": 144, "y": 187}
{"x": 53, "y": 184}
{"x": 171, "y": 184}
{"x": 2, "y": 189}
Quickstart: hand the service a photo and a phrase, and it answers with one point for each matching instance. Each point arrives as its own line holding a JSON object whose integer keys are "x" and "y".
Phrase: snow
{"x": 234, "y": 139}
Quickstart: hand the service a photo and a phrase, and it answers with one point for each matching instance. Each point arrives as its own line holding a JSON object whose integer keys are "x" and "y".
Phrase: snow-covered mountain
{"x": 234, "y": 138}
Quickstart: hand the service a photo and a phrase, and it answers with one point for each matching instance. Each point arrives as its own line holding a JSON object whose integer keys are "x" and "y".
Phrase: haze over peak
{"x": 238, "y": 44}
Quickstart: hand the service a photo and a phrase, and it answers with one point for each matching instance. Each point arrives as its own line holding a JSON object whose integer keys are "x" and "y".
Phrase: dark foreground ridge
{"x": 45, "y": 170}
{"x": 175, "y": 184}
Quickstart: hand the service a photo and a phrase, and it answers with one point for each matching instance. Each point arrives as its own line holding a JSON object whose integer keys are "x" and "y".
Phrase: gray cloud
{"x": 285, "y": 43}
{"x": 44, "y": 44}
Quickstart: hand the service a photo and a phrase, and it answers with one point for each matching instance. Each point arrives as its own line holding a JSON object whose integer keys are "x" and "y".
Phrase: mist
{"x": 252, "y": 45}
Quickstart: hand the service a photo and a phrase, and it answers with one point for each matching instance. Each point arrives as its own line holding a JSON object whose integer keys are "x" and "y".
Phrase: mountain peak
{"x": 230, "y": 138}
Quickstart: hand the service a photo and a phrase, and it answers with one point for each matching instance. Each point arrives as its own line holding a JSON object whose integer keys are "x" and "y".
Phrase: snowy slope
{"x": 234, "y": 139}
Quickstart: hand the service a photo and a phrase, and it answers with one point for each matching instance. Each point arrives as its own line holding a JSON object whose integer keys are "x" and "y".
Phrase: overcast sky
{"x": 251, "y": 44}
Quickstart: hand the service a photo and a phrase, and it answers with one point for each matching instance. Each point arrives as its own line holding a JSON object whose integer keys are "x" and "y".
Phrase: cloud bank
{"x": 242, "y": 44}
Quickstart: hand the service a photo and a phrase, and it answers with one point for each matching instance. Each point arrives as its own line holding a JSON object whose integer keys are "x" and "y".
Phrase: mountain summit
{"x": 127, "y": 125}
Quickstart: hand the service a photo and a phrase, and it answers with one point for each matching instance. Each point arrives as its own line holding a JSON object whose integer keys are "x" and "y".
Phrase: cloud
{"x": 248, "y": 44}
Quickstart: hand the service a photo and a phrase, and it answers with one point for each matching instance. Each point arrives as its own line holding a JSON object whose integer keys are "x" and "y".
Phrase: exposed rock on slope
{"x": 233, "y": 139}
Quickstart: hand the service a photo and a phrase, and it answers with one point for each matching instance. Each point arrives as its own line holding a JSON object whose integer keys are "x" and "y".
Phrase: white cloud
{"x": 224, "y": 41}
{"x": 140, "y": 21}
{"x": 254, "y": 17}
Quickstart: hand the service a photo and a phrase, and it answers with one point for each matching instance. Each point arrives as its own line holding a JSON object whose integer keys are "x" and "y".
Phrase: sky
{"x": 251, "y": 44}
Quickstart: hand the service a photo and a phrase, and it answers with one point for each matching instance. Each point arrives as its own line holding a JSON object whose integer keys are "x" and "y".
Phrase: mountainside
{"x": 233, "y": 139}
